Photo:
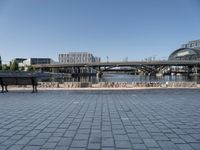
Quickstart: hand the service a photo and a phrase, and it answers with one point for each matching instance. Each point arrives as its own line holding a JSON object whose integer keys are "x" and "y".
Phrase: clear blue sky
{"x": 136, "y": 29}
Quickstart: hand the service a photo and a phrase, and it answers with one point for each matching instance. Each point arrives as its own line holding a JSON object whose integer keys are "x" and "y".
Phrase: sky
{"x": 116, "y": 29}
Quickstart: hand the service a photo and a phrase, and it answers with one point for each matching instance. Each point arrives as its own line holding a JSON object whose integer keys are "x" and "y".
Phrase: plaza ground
{"x": 148, "y": 119}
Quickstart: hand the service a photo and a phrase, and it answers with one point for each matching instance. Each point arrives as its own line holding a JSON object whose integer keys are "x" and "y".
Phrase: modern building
{"x": 78, "y": 57}
{"x": 37, "y": 61}
{"x": 189, "y": 51}
{"x": 192, "y": 44}
{"x": 19, "y": 60}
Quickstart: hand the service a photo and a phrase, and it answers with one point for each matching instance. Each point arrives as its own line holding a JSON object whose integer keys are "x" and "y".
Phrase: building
{"x": 78, "y": 57}
{"x": 37, "y": 61}
{"x": 192, "y": 44}
{"x": 19, "y": 60}
{"x": 189, "y": 51}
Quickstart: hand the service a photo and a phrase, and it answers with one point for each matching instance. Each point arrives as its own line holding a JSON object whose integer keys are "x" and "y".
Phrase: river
{"x": 126, "y": 78}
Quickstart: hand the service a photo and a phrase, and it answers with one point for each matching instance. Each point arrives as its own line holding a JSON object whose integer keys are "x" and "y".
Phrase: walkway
{"x": 140, "y": 120}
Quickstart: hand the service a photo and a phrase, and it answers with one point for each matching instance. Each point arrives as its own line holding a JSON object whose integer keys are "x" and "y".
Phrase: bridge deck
{"x": 122, "y": 64}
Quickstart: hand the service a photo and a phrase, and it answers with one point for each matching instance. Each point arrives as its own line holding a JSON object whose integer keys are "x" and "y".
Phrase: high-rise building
{"x": 78, "y": 57}
{"x": 192, "y": 44}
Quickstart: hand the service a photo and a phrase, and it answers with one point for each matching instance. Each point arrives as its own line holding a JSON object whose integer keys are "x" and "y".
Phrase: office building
{"x": 192, "y": 44}
{"x": 37, "y": 61}
{"x": 19, "y": 60}
{"x": 78, "y": 57}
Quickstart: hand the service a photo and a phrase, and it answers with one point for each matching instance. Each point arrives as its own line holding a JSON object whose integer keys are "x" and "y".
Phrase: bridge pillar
{"x": 189, "y": 70}
{"x": 54, "y": 70}
{"x": 196, "y": 70}
{"x": 41, "y": 70}
{"x": 99, "y": 74}
{"x": 73, "y": 70}
{"x": 78, "y": 70}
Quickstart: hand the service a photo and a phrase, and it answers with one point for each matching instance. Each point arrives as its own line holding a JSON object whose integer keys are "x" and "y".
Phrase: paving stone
{"x": 24, "y": 141}
{"x": 139, "y": 146}
{"x": 107, "y": 142}
{"x": 195, "y": 146}
{"x": 16, "y": 147}
{"x": 167, "y": 145}
{"x": 79, "y": 144}
{"x": 70, "y": 134}
{"x": 37, "y": 141}
{"x": 108, "y": 148}
{"x": 95, "y": 140}
{"x": 54, "y": 139}
{"x": 32, "y": 148}
{"x": 94, "y": 146}
{"x": 65, "y": 142}
{"x": 177, "y": 141}
{"x": 151, "y": 120}
{"x": 43, "y": 135}
{"x": 150, "y": 143}
{"x": 81, "y": 137}
{"x": 49, "y": 145}
{"x": 3, "y": 147}
{"x": 123, "y": 144}
{"x": 184, "y": 147}
{"x": 188, "y": 138}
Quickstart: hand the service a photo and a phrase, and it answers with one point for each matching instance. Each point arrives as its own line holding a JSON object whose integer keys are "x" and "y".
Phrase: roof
{"x": 185, "y": 52}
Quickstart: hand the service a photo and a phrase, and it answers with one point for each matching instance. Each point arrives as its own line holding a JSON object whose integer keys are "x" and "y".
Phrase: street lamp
{"x": 107, "y": 58}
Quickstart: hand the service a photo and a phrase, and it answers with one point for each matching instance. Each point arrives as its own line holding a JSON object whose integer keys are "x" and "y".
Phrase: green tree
{"x": 30, "y": 68}
{"x": 14, "y": 66}
{"x": 5, "y": 67}
{"x": 22, "y": 68}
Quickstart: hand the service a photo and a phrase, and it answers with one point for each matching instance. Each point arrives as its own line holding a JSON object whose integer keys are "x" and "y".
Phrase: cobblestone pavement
{"x": 107, "y": 120}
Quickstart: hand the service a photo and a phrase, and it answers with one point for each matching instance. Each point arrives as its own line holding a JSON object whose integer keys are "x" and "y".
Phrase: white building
{"x": 78, "y": 57}
{"x": 35, "y": 61}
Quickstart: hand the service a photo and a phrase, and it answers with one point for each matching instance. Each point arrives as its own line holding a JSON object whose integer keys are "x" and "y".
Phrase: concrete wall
{"x": 115, "y": 84}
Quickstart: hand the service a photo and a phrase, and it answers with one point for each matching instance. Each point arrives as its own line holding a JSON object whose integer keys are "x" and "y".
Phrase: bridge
{"x": 145, "y": 66}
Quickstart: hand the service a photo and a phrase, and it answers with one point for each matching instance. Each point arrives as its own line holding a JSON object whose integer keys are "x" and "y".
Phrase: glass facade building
{"x": 189, "y": 51}
{"x": 185, "y": 54}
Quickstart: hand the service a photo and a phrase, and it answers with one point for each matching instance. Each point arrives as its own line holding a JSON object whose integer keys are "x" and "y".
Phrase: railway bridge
{"x": 147, "y": 67}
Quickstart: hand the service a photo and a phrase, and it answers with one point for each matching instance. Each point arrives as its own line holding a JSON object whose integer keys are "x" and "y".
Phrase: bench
{"x": 19, "y": 80}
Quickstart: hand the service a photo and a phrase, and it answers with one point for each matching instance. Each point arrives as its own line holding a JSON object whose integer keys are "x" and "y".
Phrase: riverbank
{"x": 107, "y": 86}
{"x": 116, "y": 85}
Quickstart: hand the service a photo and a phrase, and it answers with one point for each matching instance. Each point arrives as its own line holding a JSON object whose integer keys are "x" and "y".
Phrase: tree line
{"x": 13, "y": 66}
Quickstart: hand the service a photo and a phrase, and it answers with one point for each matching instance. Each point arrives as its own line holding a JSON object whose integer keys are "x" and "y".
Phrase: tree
{"x": 22, "y": 68}
{"x": 14, "y": 66}
{"x": 5, "y": 67}
{"x": 30, "y": 68}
